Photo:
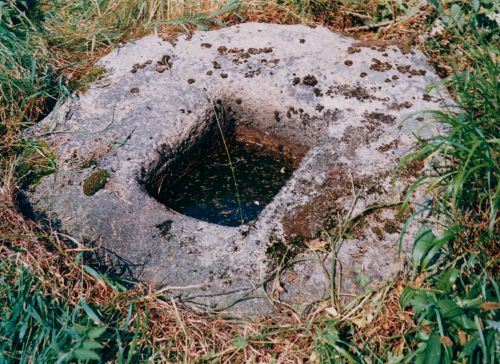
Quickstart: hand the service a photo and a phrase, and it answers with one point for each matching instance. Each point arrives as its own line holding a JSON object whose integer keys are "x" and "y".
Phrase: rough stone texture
{"x": 352, "y": 105}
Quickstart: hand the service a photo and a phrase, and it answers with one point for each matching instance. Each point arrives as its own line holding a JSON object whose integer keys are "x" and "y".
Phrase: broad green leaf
{"x": 476, "y": 5}
{"x": 85, "y": 354}
{"x": 424, "y": 241}
{"x": 91, "y": 344}
{"x": 449, "y": 309}
{"x": 96, "y": 331}
{"x": 421, "y": 301}
{"x": 63, "y": 358}
{"x": 455, "y": 9}
{"x": 475, "y": 302}
{"x": 433, "y": 349}
{"x": 438, "y": 243}
{"x": 90, "y": 312}
{"x": 407, "y": 296}
{"x": 470, "y": 347}
{"x": 448, "y": 279}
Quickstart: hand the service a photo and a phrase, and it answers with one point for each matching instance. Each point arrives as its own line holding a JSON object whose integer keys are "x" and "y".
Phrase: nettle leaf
{"x": 63, "y": 358}
{"x": 469, "y": 348}
{"x": 96, "y": 331}
{"x": 418, "y": 298}
{"x": 473, "y": 302}
{"x": 85, "y": 354}
{"x": 427, "y": 246}
{"x": 455, "y": 10}
{"x": 79, "y": 330}
{"x": 449, "y": 309}
{"x": 406, "y": 296}
{"x": 91, "y": 344}
{"x": 439, "y": 242}
{"x": 456, "y": 15}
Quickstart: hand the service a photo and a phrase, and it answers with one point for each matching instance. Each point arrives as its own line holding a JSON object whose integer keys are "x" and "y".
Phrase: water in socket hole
{"x": 207, "y": 190}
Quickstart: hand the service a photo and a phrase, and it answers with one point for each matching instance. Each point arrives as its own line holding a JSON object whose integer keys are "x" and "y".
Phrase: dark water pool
{"x": 207, "y": 191}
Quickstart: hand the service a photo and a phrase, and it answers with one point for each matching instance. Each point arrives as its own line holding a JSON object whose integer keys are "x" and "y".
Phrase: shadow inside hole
{"x": 226, "y": 178}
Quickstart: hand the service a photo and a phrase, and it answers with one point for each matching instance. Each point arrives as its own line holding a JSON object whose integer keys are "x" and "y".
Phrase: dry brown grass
{"x": 390, "y": 323}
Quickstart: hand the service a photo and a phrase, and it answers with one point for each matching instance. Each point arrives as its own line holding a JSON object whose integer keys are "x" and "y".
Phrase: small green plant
{"x": 35, "y": 160}
{"x": 331, "y": 347}
{"x": 458, "y": 312}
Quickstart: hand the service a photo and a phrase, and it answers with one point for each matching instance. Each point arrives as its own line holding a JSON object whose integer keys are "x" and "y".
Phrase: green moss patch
{"x": 95, "y": 182}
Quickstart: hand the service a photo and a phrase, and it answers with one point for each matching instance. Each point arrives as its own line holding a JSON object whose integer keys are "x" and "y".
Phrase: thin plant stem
{"x": 231, "y": 166}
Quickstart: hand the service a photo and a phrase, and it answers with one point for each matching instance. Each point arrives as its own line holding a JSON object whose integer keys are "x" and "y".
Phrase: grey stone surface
{"x": 352, "y": 105}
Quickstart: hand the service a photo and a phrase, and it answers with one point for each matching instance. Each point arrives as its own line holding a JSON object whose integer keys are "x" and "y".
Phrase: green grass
{"x": 451, "y": 292}
{"x": 39, "y": 327}
{"x": 457, "y": 308}
{"x": 28, "y": 82}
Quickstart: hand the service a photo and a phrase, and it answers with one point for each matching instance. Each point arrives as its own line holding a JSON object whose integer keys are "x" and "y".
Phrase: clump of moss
{"x": 95, "y": 182}
{"x": 391, "y": 227}
{"x": 378, "y": 232}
